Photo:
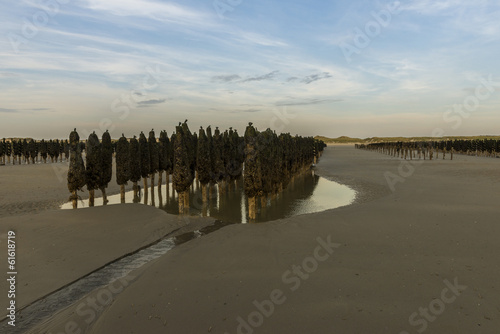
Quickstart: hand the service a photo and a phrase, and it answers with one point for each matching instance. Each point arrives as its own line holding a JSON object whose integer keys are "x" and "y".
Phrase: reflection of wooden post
{"x": 263, "y": 201}
{"x": 145, "y": 179}
{"x": 186, "y": 202}
{"x": 204, "y": 195}
{"x": 204, "y": 198}
{"x": 91, "y": 197}
{"x": 74, "y": 199}
{"x": 181, "y": 202}
{"x": 136, "y": 192}
{"x": 122, "y": 193}
{"x": 104, "y": 196}
{"x": 153, "y": 189}
{"x": 451, "y": 153}
{"x": 167, "y": 184}
{"x": 251, "y": 207}
{"x": 160, "y": 181}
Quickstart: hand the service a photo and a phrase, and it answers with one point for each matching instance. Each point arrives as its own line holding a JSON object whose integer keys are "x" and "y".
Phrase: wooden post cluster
{"x": 267, "y": 161}
{"x": 443, "y": 149}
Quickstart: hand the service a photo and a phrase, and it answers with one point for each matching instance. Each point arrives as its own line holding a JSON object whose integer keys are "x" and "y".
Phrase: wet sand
{"x": 421, "y": 258}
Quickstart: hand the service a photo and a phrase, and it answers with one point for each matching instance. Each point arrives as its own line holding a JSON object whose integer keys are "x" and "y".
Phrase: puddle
{"x": 307, "y": 193}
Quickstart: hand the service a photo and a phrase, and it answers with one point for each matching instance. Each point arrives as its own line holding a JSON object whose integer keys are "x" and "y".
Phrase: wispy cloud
{"x": 161, "y": 11}
{"x": 29, "y": 110}
{"x": 226, "y": 78}
{"x": 7, "y": 110}
{"x": 151, "y": 102}
{"x": 268, "y": 76}
{"x": 316, "y": 77}
{"x": 433, "y": 7}
{"x": 258, "y": 39}
{"x": 305, "y": 102}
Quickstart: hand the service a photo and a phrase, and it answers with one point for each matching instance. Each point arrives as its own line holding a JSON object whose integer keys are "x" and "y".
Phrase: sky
{"x": 316, "y": 67}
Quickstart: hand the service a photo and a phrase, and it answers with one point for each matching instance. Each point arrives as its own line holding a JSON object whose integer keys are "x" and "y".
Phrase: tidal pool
{"x": 306, "y": 193}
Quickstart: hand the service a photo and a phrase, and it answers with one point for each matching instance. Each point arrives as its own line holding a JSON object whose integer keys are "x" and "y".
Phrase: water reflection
{"x": 306, "y": 193}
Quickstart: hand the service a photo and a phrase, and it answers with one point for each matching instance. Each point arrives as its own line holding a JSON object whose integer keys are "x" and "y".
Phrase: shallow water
{"x": 306, "y": 193}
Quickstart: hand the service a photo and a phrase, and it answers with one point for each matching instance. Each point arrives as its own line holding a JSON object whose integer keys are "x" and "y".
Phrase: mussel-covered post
{"x": 182, "y": 172}
{"x": 32, "y": 150}
{"x": 154, "y": 161}
{"x": 2, "y": 152}
{"x": 218, "y": 168}
{"x": 8, "y": 150}
{"x": 43, "y": 150}
{"x": 106, "y": 165}
{"x": 145, "y": 162}
{"x": 135, "y": 166}
{"x": 122, "y": 165}
{"x": 93, "y": 166}
{"x": 252, "y": 174}
{"x": 76, "y": 172}
{"x": 203, "y": 163}
{"x": 56, "y": 149}
{"x": 163, "y": 152}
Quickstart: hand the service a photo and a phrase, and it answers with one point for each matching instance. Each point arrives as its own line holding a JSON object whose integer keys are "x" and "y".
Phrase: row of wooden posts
{"x": 32, "y": 151}
{"x": 265, "y": 160}
{"x": 434, "y": 149}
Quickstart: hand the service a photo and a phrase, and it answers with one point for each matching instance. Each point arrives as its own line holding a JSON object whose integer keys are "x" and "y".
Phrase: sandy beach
{"x": 416, "y": 254}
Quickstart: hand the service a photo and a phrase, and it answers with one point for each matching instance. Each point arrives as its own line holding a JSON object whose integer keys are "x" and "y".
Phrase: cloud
{"x": 315, "y": 77}
{"x": 244, "y": 111}
{"x": 432, "y": 7}
{"x": 160, "y": 11}
{"x": 305, "y": 102}
{"x": 236, "y": 77}
{"x": 226, "y": 78}
{"x": 258, "y": 39}
{"x": 151, "y": 102}
{"x": 268, "y": 76}
{"x": 249, "y": 110}
{"x": 8, "y": 110}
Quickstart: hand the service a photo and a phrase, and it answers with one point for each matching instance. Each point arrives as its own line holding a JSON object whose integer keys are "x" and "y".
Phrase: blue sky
{"x": 355, "y": 68}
